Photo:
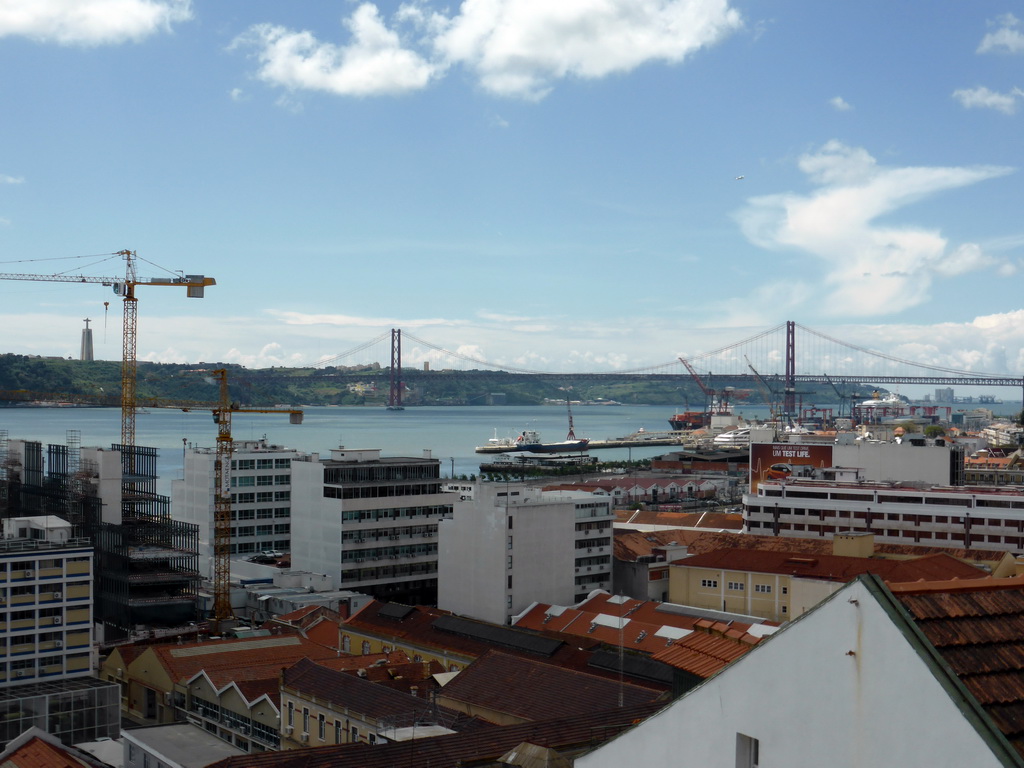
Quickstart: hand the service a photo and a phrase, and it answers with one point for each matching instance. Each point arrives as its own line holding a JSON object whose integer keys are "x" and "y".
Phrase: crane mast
{"x": 125, "y": 287}
{"x": 222, "y": 495}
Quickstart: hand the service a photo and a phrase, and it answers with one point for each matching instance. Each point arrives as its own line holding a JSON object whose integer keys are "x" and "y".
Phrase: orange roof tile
{"x": 237, "y": 656}
{"x": 703, "y": 654}
{"x": 37, "y": 753}
{"x": 980, "y": 635}
{"x": 645, "y": 628}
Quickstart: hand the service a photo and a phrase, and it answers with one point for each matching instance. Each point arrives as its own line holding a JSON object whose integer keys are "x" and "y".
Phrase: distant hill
{"x": 99, "y": 381}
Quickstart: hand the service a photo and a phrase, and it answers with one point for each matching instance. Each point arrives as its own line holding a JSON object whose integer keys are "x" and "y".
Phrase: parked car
{"x": 274, "y": 553}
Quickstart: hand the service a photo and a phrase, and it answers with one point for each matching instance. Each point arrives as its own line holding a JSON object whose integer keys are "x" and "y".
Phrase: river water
{"x": 450, "y": 433}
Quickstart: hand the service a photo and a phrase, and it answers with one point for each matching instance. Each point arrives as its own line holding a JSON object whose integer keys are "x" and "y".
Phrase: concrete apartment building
{"x": 370, "y": 522}
{"x": 46, "y": 615}
{"x": 261, "y": 504}
{"x": 528, "y": 546}
{"x": 45, "y": 601}
{"x": 975, "y": 517}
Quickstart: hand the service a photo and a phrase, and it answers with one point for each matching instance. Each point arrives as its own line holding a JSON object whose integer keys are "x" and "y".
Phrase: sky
{"x": 585, "y": 185}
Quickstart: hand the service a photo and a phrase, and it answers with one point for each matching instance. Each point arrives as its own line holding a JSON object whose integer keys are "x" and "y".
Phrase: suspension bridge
{"x": 778, "y": 359}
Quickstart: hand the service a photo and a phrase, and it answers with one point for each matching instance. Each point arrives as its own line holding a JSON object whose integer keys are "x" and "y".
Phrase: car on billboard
{"x": 778, "y": 472}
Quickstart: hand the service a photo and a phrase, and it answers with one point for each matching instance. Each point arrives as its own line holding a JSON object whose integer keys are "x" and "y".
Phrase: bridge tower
{"x": 789, "y": 397}
{"x": 395, "y": 391}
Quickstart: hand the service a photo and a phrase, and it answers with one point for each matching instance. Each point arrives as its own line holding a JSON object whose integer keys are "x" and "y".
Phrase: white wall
{"x": 316, "y": 521}
{"x": 886, "y": 462}
{"x": 841, "y": 687}
{"x": 473, "y": 551}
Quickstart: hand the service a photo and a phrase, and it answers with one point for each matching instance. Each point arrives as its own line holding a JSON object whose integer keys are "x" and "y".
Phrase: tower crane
{"x": 125, "y": 287}
{"x": 222, "y": 494}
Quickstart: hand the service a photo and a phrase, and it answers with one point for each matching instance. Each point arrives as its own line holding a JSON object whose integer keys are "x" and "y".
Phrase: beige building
{"x": 322, "y": 706}
{"x": 45, "y": 602}
{"x": 779, "y": 586}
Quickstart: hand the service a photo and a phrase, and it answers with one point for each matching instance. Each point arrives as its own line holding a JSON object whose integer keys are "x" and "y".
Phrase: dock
{"x": 636, "y": 440}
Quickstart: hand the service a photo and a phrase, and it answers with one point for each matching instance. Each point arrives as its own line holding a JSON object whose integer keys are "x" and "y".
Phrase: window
{"x": 337, "y": 731}
{"x": 785, "y": 590}
{"x": 354, "y": 734}
{"x": 747, "y": 751}
{"x": 291, "y": 713}
{"x": 736, "y": 585}
{"x": 366, "y": 647}
{"x": 322, "y": 727}
{"x": 765, "y": 589}
{"x": 305, "y": 720}
{"x": 710, "y": 583}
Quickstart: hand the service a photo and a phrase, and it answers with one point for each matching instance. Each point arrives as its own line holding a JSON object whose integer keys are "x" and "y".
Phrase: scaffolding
{"x": 147, "y": 565}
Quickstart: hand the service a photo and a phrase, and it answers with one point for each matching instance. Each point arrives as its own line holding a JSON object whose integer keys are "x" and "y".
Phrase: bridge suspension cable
{"x": 901, "y": 361}
{"x": 354, "y": 350}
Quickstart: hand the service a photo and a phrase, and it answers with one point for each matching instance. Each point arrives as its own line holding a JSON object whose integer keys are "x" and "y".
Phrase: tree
{"x": 933, "y": 431}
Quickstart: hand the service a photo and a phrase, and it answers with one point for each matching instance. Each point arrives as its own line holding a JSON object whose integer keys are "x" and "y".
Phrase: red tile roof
{"x": 833, "y": 567}
{"x": 712, "y": 540}
{"x": 646, "y": 627}
{"x": 712, "y": 520}
{"x": 533, "y": 690}
{"x": 630, "y": 545}
{"x": 482, "y": 745}
{"x": 703, "y": 653}
{"x": 980, "y": 635}
{"x": 37, "y": 753}
{"x": 237, "y": 657}
{"x": 311, "y": 680}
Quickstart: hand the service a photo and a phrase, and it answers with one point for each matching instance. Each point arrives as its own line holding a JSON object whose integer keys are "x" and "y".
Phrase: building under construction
{"x": 146, "y": 571}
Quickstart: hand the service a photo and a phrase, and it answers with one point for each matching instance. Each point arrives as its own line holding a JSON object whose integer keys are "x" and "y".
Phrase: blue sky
{"x": 550, "y": 185}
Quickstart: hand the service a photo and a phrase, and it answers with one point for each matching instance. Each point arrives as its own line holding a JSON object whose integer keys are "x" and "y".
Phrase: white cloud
{"x": 1007, "y": 39}
{"x": 839, "y": 104}
{"x": 983, "y": 98}
{"x": 11, "y": 179}
{"x": 374, "y": 62}
{"x": 515, "y": 48}
{"x": 90, "y": 22}
{"x": 520, "y": 47}
{"x": 237, "y": 94}
{"x": 870, "y": 269}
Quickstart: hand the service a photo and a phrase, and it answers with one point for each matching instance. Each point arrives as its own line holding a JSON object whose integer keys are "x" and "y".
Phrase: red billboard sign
{"x": 781, "y": 461}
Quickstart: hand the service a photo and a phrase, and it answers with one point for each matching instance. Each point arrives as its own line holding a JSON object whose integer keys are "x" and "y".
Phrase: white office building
{"x": 370, "y": 522}
{"x": 261, "y": 496}
{"x": 510, "y": 545}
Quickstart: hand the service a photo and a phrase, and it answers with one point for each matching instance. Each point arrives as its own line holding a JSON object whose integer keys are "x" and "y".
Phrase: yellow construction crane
{"x": 222, "y": 495}
{"x": 125, "y": 287}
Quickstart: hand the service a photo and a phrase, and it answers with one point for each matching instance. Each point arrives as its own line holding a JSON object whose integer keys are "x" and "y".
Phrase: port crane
{"x": 766, "y": 392}
{"x": 125, "y": 288}
{"x": 718, "y": 400}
